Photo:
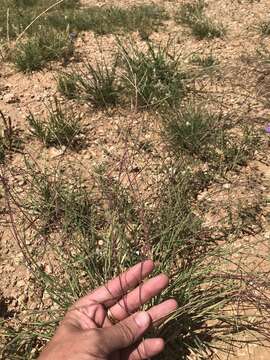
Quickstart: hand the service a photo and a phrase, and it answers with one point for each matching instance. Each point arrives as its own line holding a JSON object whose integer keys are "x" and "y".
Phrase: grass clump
{"x": 9, "y": 137}
{"x": 98, "y": 85}
{"x": 206, "y": 61}
{"x": 192, "y": 15}
{"x": 95, "y": 85}
{"x": 105, "y": 232}
{"x": 61, "y": 128}
{"x": 151, "y": 78}
{"x": 67, "y": 85}
{"x": 35, "y": 52}
{"x": 203, "y": 135}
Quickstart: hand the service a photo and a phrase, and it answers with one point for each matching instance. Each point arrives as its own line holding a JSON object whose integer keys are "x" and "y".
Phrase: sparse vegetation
{"x": 152, "y": 78}
{"x": 9, "y": 137}
{"x": 163, "y": 172}
{"x": 192, "y": 15}
{"x": 206, "y": 61}
{"x": 61, "y": 128}
{"x": 34, "y": 53}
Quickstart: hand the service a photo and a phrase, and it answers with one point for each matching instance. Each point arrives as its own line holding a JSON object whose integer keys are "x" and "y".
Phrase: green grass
{"x": 35, "y": 52}
{"x": 200, "y": 134}
{"x": 69, "y": 15}
{"x": 60, "y": 128}
{"x": 202, "y": 27}
{"x": 153, "y": 77}
{"x": 108, "y": 20}
{"x": 9, "y": 137}
{"x": 189, "y": 12}
{"x": 96, "y": 85}
{"x": 67, "y": 85}
{"x": 206, "y": 61}
{"x": 102, "y": 232}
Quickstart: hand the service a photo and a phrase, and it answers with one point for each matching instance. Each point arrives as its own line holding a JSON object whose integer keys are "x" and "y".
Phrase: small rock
{"x": 226, "y": 186}
{"x": 10, "y": 98}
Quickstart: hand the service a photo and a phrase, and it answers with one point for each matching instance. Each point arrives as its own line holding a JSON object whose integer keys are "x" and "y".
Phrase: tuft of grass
{"x": 206, "y": 61}
{"x": 152, "y": 77}
{"x": 34, "y": 53}
{"x": 189, "y": 12}
{"x": 192, "y": 15}
{"x": 67, "y": 85}
{"x": 196, "y": 132}
{"x": 9, "y": 137}
{"x": 205, "y": 27}
{"x": 98, "y": 85}
{"x": 61, "y": 128}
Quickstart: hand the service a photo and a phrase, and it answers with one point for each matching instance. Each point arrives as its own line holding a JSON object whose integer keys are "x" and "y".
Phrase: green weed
{"x": 34, "y": 53}
{"x": 61, "y": 128}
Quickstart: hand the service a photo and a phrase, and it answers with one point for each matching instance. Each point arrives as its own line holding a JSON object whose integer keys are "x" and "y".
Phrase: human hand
{"x": 102, "y": 325}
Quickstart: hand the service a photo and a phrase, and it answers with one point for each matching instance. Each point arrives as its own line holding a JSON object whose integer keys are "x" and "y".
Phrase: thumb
{"x": 126, "y": 332}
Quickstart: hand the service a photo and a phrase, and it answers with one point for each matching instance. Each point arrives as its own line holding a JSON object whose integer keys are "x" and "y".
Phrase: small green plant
{"x": 9, "y": 137}
{"x": 97, "y": 85}
{"x": 205, "y": 27}
{"x": 34, "y": 53}
{"x": 193, "y": 130}
{"x": 206, "y": 61}
{"x": 192, "y": 15}
{"x": 153, "y": 77}
{"x": 67, "y": 85}
{"x": 61, "y": 128}
{"x": 189, "y": 12}
{"x": 59, "y": 203}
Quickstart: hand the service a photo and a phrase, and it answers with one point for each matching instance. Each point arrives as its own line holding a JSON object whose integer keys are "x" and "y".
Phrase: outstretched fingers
{"x": 114, "y": 290}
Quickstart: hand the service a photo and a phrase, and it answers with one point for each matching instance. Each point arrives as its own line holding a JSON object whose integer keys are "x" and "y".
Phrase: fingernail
{"x": 142, "y": 319}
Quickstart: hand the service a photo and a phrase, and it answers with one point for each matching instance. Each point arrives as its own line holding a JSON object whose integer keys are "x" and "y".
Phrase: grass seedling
{"x": 61, "y": 128}
{"x": 151, "y": 78}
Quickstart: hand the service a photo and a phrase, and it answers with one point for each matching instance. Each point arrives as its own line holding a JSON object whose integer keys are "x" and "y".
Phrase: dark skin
{"x": 87, "y": 331}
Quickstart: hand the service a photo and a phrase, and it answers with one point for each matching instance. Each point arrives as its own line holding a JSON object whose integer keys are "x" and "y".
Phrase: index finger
{"x": 111, "y": 292}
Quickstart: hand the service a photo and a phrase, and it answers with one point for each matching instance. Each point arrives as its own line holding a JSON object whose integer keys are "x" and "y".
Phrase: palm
{"x": 121, "y": 297}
